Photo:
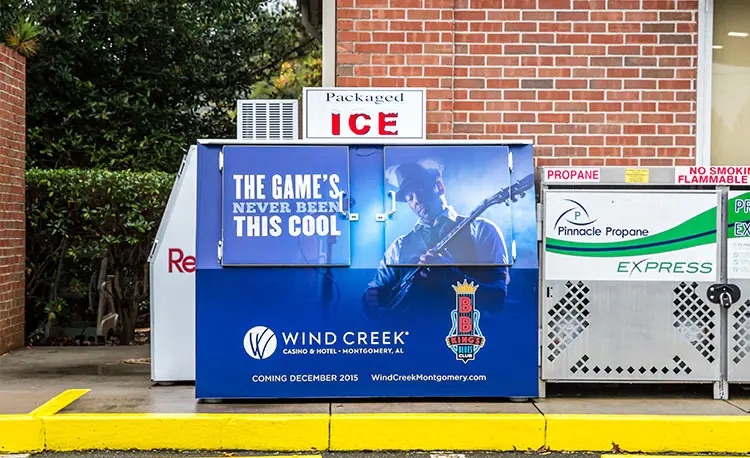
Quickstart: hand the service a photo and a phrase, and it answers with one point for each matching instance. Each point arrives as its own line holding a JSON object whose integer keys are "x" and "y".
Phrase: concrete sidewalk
{"x": 118, "y": 407}
{"x": 119, "y": 382}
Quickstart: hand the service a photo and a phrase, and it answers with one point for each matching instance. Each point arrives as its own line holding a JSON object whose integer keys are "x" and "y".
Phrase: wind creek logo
{"x": 644, "y": 266}
{"x": 260, "y": 342}
{"x": 580, "y": 216}
{"x": 465, "y": 338}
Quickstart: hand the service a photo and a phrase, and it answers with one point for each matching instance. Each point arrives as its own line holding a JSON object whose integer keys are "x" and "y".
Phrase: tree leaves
{"x": 76, "y": 218}
{"x": 22, "y": 37}
{"x": 131, "y": 84}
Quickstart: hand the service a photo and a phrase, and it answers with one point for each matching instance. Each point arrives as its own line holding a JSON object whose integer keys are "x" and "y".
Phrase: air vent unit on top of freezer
{"x": 267, "y": 120}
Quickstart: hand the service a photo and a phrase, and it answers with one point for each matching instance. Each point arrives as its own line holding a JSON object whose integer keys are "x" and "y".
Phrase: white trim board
{"x": 328, "y": 71}
{"x": 703, "y": 83}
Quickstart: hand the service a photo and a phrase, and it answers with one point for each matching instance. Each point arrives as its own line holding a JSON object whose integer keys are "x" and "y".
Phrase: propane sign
{"x": 346, "y": 113}
{"x": 571, "y": 175}
{"x": 625, "y": 236}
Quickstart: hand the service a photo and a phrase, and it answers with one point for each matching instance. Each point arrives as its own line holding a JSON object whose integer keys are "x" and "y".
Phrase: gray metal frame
{"x": 738, "y": 326}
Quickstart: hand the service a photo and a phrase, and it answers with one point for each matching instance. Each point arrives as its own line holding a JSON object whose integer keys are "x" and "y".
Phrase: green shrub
{"x": 80, "y": 225}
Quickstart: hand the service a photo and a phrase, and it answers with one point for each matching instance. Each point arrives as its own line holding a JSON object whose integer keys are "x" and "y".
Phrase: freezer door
{"x": 285, "y": 205}
{"x": 454, "y": 200}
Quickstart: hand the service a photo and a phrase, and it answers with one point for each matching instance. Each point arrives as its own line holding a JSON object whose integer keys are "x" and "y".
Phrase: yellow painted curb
{"x": 653, "y": 434}
{"x": 649, "y": 433}
{"x": 21, "y": 433}
{"x": 628, "y": 455}
{"x": 285, "y": 456}
{"x": 278, "y": 432}
{"x": 58, "y": 403}
{"x": 449, "y": 431}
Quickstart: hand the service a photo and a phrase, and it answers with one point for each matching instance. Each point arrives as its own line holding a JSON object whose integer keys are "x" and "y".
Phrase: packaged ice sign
{"x": 718, "y": 175}
{"x": 571, "y": 175}
{"x": 336, "y": 113}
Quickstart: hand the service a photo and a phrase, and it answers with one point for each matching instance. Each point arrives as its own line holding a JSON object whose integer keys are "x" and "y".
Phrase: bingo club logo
{"x": 465, "y": 338}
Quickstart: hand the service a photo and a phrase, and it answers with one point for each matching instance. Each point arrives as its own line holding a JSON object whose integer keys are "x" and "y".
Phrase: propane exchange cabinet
{"x": 644, "y": 277}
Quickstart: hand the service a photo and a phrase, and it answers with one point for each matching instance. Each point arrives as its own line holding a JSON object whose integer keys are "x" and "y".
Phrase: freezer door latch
{"x": 725, "y": 294}
{"x": 380, "y": 217}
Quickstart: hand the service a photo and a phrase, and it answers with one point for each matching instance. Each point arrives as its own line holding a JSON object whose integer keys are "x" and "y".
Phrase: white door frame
{"x": 328, "y": 69}
{"x": 703, "y": 83}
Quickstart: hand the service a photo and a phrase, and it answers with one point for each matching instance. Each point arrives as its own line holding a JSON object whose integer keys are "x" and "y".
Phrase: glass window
{"x": 730, "y": 100}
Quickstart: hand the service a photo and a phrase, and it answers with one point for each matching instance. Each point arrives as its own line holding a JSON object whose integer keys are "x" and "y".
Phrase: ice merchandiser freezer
{"x": 366, "y": 270}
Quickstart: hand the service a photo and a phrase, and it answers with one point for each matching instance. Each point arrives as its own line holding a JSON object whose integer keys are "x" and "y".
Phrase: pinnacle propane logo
{"x": 647, "y": 266}
{"x": 576, "y": 215}
{"x": 576, "y": 221}
{"x": 465, "y": 338}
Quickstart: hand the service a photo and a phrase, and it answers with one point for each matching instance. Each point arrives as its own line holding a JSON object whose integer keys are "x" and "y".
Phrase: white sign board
{"x": 346, "y": 113}
{"x": 172, "y": 286}
{"x": 626, "y": 236}
{"x": 571, "y": 175}
{"x": 738, "y": 237}
{"x": 715, "y": 174}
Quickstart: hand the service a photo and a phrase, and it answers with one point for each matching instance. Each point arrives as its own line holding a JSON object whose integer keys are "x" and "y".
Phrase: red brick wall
{"x": 607, "y": 82}
{"x": 12, "y": 198}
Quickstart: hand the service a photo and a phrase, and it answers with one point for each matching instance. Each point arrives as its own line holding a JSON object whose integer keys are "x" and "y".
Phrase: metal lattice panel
{"x": 694, "y": 318}
{"x": 583, "y": 366}
{"x": 567, "y": 318}
{"x": 741, "y": 336}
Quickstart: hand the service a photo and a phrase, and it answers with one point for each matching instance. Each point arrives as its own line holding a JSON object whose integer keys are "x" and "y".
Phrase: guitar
{"x": 511, "y": 193}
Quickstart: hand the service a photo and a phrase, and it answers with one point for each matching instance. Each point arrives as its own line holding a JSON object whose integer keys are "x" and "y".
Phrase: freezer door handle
{"x": 393, "y": 203}
{"x": 351, "y": 216}
{"x": 341, "y": 203}
{"x": 380, "y": 217}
